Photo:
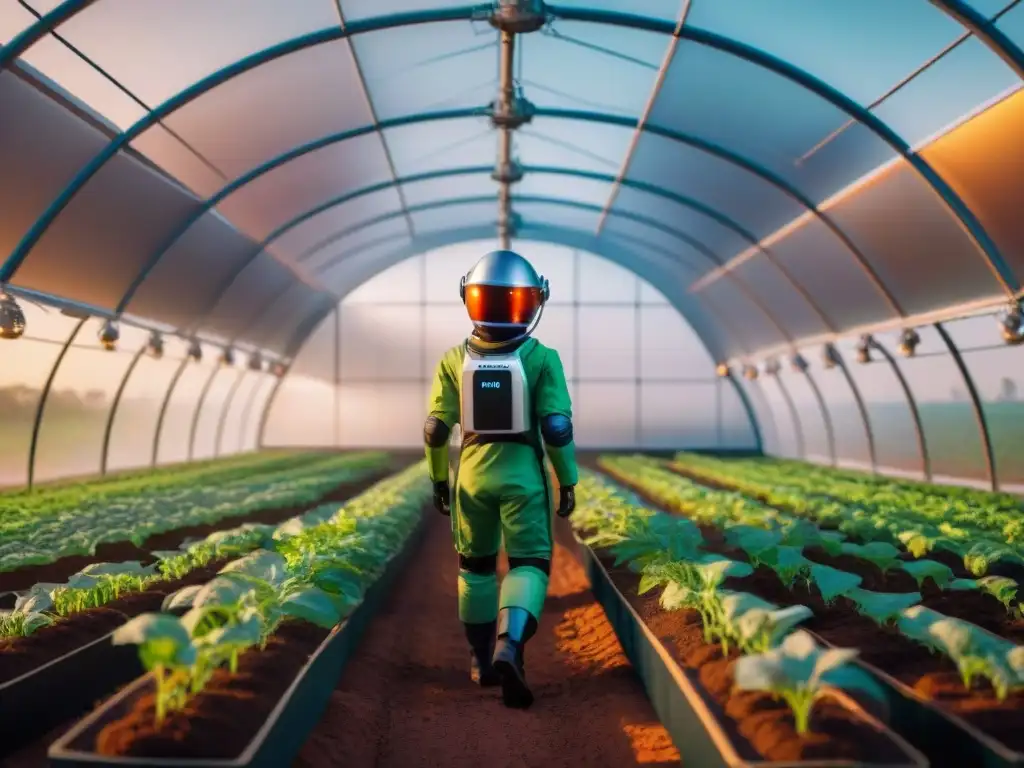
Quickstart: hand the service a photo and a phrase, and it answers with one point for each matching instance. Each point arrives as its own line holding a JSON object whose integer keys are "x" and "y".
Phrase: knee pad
{"x": 482, "y": 565}
{"x": 542, "y": 564}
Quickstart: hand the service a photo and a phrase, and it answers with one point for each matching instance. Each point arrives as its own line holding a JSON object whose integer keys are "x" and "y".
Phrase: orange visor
{"x": 502, "y": 304}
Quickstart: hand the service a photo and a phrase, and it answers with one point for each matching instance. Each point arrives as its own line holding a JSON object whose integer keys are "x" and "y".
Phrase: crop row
{"x": 247, "y": 593}
{"x": 27, "y": 540}
{"x": 980, "y": 528}
{"x": 887, "y": 625}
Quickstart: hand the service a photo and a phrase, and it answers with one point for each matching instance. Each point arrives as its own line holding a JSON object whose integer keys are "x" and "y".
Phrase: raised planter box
{"x": 679, "y": 704}
{"x": 285, "y": 730}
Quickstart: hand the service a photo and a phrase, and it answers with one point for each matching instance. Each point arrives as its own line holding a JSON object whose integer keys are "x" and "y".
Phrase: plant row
{"x": 670, "y": 552}
{"x": 978, "y": 654}
{"x": 673, "y": 552}
{"x": 315, "y": 569}
{"x": 27, "y": 540}
{"x": 99, "y": 584}
{"x": 978, "y": 527}
{"x": 780, "y": 540}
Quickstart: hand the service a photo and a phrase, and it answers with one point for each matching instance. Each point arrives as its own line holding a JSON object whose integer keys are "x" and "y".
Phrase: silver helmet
{"x": 504, "y": 296}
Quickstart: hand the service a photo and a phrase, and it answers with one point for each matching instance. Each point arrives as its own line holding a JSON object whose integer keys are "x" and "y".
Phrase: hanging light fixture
{"x": 830, "y": 356}
{"x": 798, "y": 363}
{"x": 722, "y": 371}
{"x": 195, "y": 350}
{"x": 109, "y": 335}
{"x": 864, "y": 348}
{"x": 909, "y": 342}
{"x": 750, "y": 372}
{"x": 772, "y": 366}
{"x": 1011, "y": 322}
{"x": 227, "y": 357}
{"x": 255, "y": 361}
{"x": 155, "y": 345}
{"x": 12, "y": 319}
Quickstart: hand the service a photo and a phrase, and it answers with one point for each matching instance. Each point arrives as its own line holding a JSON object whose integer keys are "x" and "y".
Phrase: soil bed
{"x": 221, "y": 721}
{"x": 760, "y": 727}
{"x": 19, "y": 655}
{"x": 932, "y": 676}
{"x": 949, "y": 559}
{"x": 405, "y": 699}
{"x": 61, "y": 570}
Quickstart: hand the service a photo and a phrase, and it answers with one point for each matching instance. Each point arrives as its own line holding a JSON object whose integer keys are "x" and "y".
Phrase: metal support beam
{"x": 250, "y": 401}
{"x": 862, "y": 409}
{"x": 506, "y": 97}
{"x": 798, "y": 427}
{"x": 162, "y": 414}
{"x": 696, "y": 245}
{"x": 988, "y": 33}
{"x": 226, "y": 409}
{"x": 826, "y": 417}
{"x": 915, "y": 413}
{"x": 337, "y": 374}
{"x": 976, "y": 405}
{"x": 108, "y": 428}
{"x": 748, "y": 406}
{"x": 40, "y": 29}
{"x": 265, "y": 413}
{"x": 203, "y": 393}
{"x": 44, "y": 395}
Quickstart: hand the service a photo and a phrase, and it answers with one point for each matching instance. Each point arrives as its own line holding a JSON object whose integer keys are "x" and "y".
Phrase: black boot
{"x": 481, "y": 646}
{"x": 515, "y": 627}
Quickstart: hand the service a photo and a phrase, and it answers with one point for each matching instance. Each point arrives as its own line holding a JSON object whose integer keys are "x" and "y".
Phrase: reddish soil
{"x": 759, "y": 726}
{"x": 887, "y": 649}
{"x": 63, "y": 569}
{"x": 405, "y": 699}
{"x": 221, "y": 721}
{"x": 19, "y": 655}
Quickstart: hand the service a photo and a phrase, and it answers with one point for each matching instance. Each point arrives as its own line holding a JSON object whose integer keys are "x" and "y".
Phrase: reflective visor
{"x": 502, "y": 304}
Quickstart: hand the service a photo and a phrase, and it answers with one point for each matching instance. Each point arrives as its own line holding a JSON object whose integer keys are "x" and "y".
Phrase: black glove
{"x": 442, "y": 498}
{"x": 566, "y": 500}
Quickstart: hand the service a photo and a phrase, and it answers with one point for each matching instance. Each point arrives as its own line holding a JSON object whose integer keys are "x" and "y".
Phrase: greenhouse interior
{"x": 351, "y": 347}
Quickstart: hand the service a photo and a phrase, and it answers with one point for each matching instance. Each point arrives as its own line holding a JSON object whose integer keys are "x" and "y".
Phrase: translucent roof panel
{"x": 430, "y": 146}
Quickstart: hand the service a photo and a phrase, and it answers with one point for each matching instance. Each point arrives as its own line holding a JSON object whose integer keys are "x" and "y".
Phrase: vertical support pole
{"x": 798, "y": 427}
{"x": 826, "y": 417}
{"x": 719, "y": 429}
{"x": 199, "y": 410}
{"x": 638, "y": 362}
{"x": 250, "y": 401}
{"x": 506, "y": 97}
{"x": 915, "y": 412}
{"x": 262, "y": 429}
{"x": 171, "y": 386}
{"x": 225, "y": 410}
{"x": 44, "y": 395}
{"x": 337, "y": 375}
{"x": 862, "y": 409}
{"x": 976, "y": 404}
{"x": 576, "y": 284}
{"x": 108, "y": 429}
{"x": 751, "y": 412}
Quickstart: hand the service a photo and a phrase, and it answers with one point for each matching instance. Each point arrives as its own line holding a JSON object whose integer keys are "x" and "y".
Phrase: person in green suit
{"x": 508, "y": 393}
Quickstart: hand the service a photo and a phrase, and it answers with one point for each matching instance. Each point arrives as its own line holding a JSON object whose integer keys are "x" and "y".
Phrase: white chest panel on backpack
{"x": 494, "y": 397}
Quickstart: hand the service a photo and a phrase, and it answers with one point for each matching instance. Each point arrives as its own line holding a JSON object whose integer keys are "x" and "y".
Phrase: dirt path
{"x": 406, "y": 700}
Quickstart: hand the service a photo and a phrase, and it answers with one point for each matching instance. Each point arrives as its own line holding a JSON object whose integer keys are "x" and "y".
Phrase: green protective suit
{"x": 502, "y": 489}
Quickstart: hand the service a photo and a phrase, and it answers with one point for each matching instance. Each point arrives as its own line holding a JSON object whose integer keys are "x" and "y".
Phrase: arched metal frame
{"x": 862, "y": 409}
{"x": 826, "y": 417}
{"x": 44, "y": 395}
{"x": 976, "y": 405}
{"x": 108, "y": 429}
{"x": 726, "y": 45}
{"x": 794, "y": 413}
{"x": 198, "y": 412}
{"x": 226, "y": 409}
{"x": 985, "y": 32}
{"x": 915, "y": 413}
{"x": 171, "y": 386}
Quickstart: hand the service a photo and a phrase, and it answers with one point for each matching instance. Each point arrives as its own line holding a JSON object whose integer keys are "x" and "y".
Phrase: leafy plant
{"x": 832, "y": 582}
{"x": 800, "y": 673}
{"x": 975, "y": 652}
{"x": 922, "y": 570}
{"x": 882, "y": 607}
